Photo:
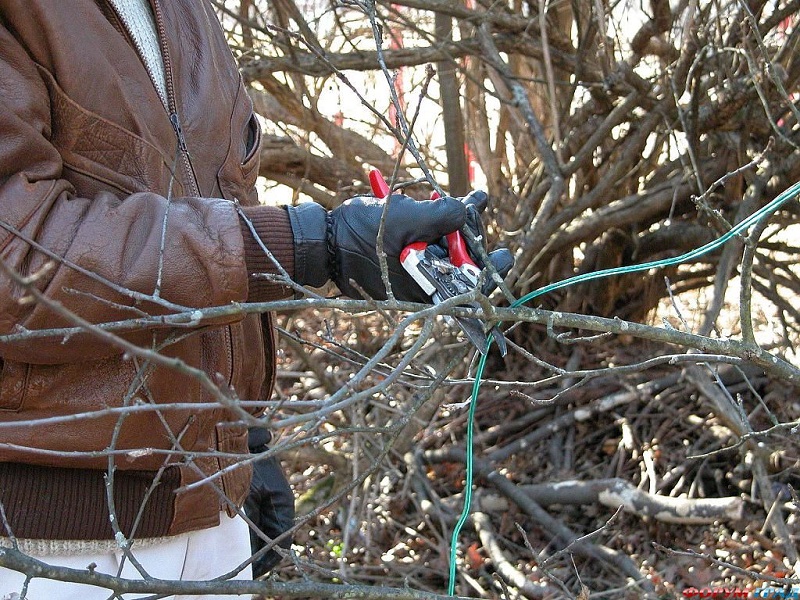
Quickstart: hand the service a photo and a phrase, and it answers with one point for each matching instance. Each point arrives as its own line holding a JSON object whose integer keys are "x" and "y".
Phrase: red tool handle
{"x": 457, "y": 248}
{"x": 378, "y": 184}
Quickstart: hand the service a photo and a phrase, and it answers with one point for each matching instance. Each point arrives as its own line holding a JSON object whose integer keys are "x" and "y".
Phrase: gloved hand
{"x": 270, "y": 503}
{"x": 501, "y": 258}
{"x": 347, "y": 236}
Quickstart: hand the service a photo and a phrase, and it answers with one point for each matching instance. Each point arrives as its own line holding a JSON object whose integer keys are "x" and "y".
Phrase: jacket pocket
{"x": 232, "y": 439}
{"x": 13, "y": 381}
{"x": 253, "y": 145}
{"x": 238, "y": 174}
{"x": 100, "y": 154}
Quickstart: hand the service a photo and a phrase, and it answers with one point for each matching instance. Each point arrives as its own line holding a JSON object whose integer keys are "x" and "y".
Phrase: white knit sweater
{"x": 137, "y": 15}
{"x": 51, "y": 548}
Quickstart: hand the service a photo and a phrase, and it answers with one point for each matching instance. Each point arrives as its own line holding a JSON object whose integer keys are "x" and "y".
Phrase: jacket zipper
{"x": 170, "y": 106}
{"x": 168, "y": 102}
{"x": 188, "y": 168}
{"x": 229, "y": 352}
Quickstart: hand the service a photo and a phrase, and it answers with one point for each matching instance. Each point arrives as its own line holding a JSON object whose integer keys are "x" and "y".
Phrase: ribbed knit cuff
{"x": 272, "y": 226}
{"x": 70, "y": 504}
{"x": 311, "y": 258}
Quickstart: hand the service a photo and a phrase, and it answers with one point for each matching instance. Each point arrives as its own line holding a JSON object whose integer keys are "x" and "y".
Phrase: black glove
{"x": 270, "y": 504}
{"x": 341, "y": 245}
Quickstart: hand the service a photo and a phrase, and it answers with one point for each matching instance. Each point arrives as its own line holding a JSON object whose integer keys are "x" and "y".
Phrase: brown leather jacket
{"x": 87, "y": 151}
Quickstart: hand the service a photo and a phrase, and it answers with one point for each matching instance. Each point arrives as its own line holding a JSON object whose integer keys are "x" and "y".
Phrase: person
{"x": 129, "y": 153}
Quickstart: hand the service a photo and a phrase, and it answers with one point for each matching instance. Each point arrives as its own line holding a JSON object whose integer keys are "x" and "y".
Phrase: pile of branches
{"x": 630, "y": 482}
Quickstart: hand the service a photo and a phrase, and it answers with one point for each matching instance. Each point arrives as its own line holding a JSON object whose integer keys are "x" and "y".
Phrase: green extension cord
{"x": 657, "y": 264}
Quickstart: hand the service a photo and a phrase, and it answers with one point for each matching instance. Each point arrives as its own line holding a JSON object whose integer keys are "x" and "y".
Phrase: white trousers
{"x": 198, "y": 556}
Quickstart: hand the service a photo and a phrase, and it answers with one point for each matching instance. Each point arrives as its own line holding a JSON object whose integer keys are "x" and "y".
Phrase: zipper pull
{"x": 176, "y": 125}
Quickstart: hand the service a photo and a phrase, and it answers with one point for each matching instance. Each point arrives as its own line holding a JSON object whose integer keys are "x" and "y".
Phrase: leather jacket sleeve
{"x": 115, "y": 237}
